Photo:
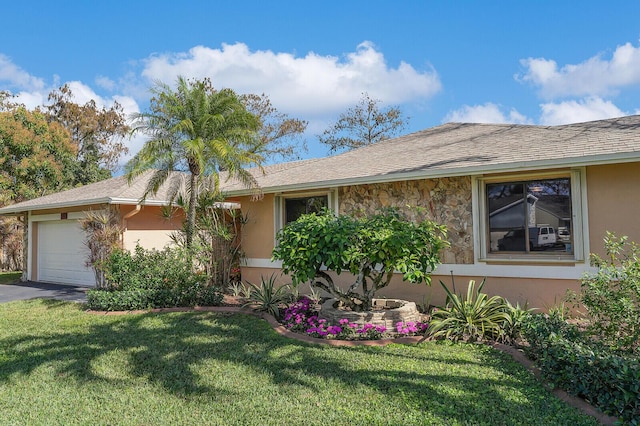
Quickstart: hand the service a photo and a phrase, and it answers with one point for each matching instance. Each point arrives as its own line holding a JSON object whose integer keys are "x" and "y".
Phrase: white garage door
{"x": 62, "y": 254}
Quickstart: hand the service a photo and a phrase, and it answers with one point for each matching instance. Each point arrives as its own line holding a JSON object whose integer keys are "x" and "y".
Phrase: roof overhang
{"x": 452, "y": 172}
{"x": 17, "y": 210}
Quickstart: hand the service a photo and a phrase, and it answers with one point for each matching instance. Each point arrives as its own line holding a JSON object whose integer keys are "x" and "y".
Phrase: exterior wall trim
{"x": 562, "y": 271}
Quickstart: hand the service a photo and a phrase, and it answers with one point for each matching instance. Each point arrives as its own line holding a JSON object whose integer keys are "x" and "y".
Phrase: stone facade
{"x": 385, "y": 312}
{"x": 445, "y": 200}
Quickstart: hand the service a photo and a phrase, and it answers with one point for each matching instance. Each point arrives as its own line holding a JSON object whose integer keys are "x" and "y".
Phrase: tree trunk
{"x": 191, "y": 213}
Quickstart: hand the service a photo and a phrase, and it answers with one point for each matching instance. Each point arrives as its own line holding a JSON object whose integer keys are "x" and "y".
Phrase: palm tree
{"x": 198, "y": 130}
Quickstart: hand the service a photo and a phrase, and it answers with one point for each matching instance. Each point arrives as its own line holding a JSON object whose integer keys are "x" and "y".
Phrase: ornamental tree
{"x": 371, "y": 248}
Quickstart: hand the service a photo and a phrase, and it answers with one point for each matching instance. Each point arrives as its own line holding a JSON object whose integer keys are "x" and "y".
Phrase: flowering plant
{"x": 411, "y": 328}
{"x": 301, "y": 317}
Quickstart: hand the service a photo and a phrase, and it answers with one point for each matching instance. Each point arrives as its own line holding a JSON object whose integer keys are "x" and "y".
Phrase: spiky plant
{"x": 474, "y": 317}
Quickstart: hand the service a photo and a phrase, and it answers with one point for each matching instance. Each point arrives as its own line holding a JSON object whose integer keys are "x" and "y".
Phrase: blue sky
{"x": 542, "y": 62}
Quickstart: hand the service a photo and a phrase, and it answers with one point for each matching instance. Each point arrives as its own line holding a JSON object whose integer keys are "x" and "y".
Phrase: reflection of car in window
{"x": 539, "y": 237}
{"x": 563, "y": 235}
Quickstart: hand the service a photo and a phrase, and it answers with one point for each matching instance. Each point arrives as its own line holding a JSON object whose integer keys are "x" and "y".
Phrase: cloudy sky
{"x": 542, "y": 62}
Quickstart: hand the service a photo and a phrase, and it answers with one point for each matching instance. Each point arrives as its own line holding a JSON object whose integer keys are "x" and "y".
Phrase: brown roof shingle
{"x": 447, "y": 150}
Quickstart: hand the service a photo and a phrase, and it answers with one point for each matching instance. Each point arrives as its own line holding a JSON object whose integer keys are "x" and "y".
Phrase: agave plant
{"x": 471, "y": 318}
{"x": 268, "y": 297}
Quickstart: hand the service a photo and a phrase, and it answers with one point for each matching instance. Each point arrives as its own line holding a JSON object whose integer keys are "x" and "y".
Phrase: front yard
{"x": 60, "y": 365}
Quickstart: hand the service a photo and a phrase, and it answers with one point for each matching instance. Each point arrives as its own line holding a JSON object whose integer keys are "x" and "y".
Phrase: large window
{"x": 530, "y": 217}
{"x": 296, "y": 207}
{"x": 289, "y": 207}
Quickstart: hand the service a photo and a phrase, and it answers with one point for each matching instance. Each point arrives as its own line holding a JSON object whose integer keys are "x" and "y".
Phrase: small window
{"x": 523, "y": 216}
{"x": 296, "y": 207}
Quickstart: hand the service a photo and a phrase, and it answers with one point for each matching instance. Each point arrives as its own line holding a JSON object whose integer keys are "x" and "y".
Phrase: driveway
{"x": 33, "y": 290}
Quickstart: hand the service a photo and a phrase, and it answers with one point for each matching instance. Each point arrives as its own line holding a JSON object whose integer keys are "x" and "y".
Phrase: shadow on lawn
{"x": 166, "y": 348}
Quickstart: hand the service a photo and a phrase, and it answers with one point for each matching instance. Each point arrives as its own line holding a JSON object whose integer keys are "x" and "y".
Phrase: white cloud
{"x": 594, "y": 77}
{"x": 578, "y": 111}
{"x": 105, "y": 82}
{"x": 487, "y": 113}
{"x": 16, "y": 77}
{"x": 311, "y": 85}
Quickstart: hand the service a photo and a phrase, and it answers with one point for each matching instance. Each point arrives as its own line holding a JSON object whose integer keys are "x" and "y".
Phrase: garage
{"x": 62, "y": 253}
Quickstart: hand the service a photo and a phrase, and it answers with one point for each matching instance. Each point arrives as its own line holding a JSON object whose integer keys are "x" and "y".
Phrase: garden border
{"x": 516, "y": 354}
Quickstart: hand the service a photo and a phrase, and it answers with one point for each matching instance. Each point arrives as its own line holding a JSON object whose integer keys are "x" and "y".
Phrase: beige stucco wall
{"x": 614, "y": 202}
{"x": 258, "y": 234}
{"x": 148, "y": 227}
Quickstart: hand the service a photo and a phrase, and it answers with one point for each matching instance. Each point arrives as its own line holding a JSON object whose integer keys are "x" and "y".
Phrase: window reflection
{"x": 296, "y": 207}
{"x": 530, "y": 216}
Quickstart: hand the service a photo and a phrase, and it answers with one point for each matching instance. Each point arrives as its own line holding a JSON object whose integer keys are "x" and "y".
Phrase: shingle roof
{"x": 112, "y": 191}
{"x": 451, "y": 149}
{"x": 463, "y": 148}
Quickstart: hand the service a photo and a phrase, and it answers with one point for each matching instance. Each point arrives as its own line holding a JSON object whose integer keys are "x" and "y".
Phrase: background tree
{"x": 362, "y": 125}
{"x": 280, "y": 135}
{"x": 97, "y": 133}
{"x": 38, "y": 157}
{"x": 199, "y": 130}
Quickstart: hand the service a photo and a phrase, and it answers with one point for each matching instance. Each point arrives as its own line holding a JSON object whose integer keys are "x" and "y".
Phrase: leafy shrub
{"x": 268, "y": 297}
{"x": 516, "y": 318}
{"x": 471, "y": 318}
{"x": 371, "y": 248}
{"x": 124, "y": 300}
{"x": 611, "y": 296}
{"x": 585, "y": 368}
{"x": 151, "y": 279}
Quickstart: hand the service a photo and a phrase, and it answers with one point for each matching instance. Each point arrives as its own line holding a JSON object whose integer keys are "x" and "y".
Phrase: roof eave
{"x": 452, "y": 172}
{"x": 9, "y": 211}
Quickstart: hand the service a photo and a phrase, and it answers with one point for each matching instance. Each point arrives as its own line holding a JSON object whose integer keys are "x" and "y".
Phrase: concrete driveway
{"x": 33, "y": 290}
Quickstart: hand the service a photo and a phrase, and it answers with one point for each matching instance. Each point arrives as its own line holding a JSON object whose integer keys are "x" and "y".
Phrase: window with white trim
{"x": 291, "y": 207}
{"x": 531, "y": 217}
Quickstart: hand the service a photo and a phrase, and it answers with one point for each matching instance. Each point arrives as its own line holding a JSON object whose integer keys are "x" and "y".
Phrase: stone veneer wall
{"x": 444, "y": 200}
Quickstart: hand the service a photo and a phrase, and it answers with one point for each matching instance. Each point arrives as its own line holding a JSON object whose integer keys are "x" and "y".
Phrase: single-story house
{"x": 480, "y": 180}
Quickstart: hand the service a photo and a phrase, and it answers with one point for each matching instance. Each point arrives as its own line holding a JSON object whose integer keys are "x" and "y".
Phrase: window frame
{"x": 578, "y": 218}
{"x": 280, "y": 204}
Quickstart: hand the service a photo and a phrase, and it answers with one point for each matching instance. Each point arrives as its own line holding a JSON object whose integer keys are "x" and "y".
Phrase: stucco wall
{"x": 613, "y": 202}
{"x": 148, "y": 227}
{"x": 446, "y": 201}
{"x": 258, "y": 232}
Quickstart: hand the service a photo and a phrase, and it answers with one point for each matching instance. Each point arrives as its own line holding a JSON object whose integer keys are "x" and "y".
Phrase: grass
{"x": 10, "y": 277}
{"x": 59, "y": 365}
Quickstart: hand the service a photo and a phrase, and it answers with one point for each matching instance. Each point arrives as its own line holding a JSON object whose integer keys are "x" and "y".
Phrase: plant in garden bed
{"x": 371, "y": 248}
{"x": 302, "y": 317}
{"x": 268, "y": 297}
{"x": 611, "y": 295}
{"x": 471, "y": 318}
{"x": 151, "y": 279}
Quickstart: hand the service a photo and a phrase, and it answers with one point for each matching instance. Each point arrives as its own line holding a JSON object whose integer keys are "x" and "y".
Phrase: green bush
{"x": 611, "y": 296}
{"x": 371, "y": 248}
{"x": 583, "y": 367}
{"x": 151, "y": 279}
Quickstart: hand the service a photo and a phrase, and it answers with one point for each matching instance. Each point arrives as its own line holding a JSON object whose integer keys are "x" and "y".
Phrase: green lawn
{"x": 59, "y": 365}
{"x": 10, "y": 277}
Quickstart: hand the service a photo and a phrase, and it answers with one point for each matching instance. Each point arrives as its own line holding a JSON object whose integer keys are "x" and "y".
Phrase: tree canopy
{"x": 362, "y": 125}
{"x": 280, "y": 134}
{"x": 38, "y": 157}
{"x": 200, "y": 130}
{"x": 98, "y": 133}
